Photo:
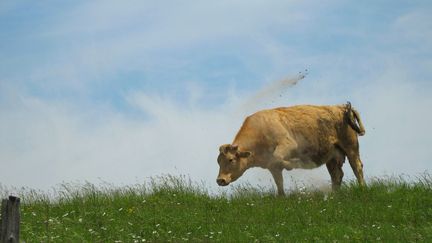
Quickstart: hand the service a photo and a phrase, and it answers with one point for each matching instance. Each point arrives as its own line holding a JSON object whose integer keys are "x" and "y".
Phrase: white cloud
{"x": 45, "y": 142}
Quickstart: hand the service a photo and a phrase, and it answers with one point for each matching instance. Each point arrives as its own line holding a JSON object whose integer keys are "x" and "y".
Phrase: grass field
{"x": 173, "y": 209}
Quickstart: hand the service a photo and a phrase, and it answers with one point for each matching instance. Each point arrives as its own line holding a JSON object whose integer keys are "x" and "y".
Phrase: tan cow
{"x": 303, "y": 136}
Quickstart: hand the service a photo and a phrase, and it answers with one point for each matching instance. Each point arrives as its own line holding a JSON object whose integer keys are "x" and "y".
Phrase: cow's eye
{"x": 231, "y": 160}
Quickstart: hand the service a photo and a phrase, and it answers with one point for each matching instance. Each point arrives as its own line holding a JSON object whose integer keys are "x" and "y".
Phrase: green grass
{"x": 172, "y": 209}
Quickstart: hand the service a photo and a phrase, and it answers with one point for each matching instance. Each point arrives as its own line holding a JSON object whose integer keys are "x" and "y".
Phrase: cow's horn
{"x": 223, "y": 148}
{"x": 348, "y": 106}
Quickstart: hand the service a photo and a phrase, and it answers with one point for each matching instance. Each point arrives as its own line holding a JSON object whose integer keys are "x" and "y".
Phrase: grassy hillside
{"x": 176, "y": 210}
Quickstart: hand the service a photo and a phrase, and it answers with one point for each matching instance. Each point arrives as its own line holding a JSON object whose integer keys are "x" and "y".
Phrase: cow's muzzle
{"x": 222, "y": 182}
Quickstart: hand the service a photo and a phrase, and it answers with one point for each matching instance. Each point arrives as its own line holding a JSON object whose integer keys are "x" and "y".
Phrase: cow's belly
{"x": 309, "y": 159}
{"x": 316, "y": 160}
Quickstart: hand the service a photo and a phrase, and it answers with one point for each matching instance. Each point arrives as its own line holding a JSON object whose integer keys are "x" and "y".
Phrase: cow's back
{"x": 314, "y": 129}
{"x": 309, "y": 121}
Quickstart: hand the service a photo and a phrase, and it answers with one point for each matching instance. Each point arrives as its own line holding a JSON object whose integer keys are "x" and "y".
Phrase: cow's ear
{"x": 244, "y": 154}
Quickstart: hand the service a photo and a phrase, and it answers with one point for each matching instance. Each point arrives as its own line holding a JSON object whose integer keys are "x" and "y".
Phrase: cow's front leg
{"x": 277, "y": 176}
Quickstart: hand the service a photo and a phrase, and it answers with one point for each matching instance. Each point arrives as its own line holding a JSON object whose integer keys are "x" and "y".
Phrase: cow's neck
{"x": 245, "y": 144}
{"x": 251, "y": 162}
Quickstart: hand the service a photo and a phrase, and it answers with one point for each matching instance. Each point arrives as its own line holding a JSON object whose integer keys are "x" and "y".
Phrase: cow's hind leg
{"x": 334, "y": 167}
{"x": 356, "y": 165}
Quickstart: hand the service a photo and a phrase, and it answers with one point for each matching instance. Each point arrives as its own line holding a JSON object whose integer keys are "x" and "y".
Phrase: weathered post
{"x": 10, "y": 220}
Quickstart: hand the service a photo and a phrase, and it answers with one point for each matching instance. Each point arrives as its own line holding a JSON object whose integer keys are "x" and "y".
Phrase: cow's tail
{"x": 354, "y": 120}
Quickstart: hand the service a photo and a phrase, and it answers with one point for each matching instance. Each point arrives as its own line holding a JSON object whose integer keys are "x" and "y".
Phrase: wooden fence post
{"x": 10, "y": 220}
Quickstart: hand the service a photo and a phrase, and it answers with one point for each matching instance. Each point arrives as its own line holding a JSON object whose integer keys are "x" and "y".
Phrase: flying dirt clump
{"x": 272, "y": 90}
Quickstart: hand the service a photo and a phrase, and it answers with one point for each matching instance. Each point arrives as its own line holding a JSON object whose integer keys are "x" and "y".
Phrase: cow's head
{"x": 232, "y": 163}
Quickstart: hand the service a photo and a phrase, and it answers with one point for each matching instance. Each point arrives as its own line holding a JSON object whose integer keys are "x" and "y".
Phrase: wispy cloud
{"x": 93, "y": 41}
{"x": 49, "y": 143}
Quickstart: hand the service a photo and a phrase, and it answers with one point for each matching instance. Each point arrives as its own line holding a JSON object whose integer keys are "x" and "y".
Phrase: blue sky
{"x": 91, "y": 88}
